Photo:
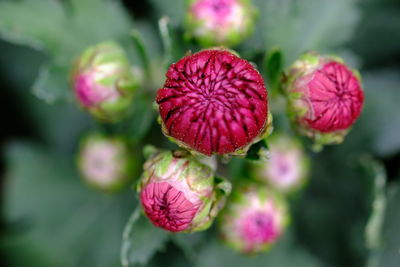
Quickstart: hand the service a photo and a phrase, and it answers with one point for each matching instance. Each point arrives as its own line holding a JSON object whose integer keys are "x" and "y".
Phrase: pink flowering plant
{"x": 220, "y": 22}
{"x": 179, "y": 193}
{"x": 104, "y": 82}
{"x": 325, "y": 97}
{"x": 199, "y": 133}
{"x": 106, "y": 162}
{"x": 254, "y": 219}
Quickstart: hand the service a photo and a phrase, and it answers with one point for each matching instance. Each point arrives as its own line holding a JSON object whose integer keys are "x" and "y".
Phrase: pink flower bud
{"x": 220, "y": 22}
{"x": 214, "y": 102}
{"x": 103, "y": 82}
{"x": 325, "y": 97}
{"x": 253, "y": 220}
{"x": 105, "y": 162}
{"x": 287, "y": 167}
{"x": 178, "y": 193}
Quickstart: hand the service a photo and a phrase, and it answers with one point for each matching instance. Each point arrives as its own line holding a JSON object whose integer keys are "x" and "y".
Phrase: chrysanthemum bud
{"x": 103, "y": 81}
{"x": 214, "y": 102}
{"x": 253, "y": 219}
{"x": 105, "y": 162}
{"x": 178, "y": 193}
{"x": 220, "y": 22}
{"x": 287, "y": 167}
{"x": 325, "y": 97}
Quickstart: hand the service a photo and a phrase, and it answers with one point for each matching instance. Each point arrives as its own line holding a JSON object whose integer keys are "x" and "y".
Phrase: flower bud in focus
{"x": 220, "y": 22}
{"x": 325, "y": 97}
{"x": 253, "y": 220}
{"x": 178, "y": 193}
{"x": 103, "y": 81}
{"x": 214, "y": 102}
{"x": 287, "y": 167}
{"x": 105, "y": 162}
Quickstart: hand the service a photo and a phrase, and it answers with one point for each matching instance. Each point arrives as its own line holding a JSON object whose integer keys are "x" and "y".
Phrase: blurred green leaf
{"x": 51, "y": 78}
{"x": 143, "y": 117}
{"x": 389, "y": 254}
{"x": 373, "y": 231}
{"x": 299, "y": 26}
{"x": 61, "y": 30}
{"x": 175, "y": 9}
{"x": 330, "y": 215}
{"x": 141, "y": 240}
{"x": 258, "y": 151}
{"x": 377, "y": 35}
{"x": 164, "y": 27}
{"x": 56, "y": 217}
{"x": 189, "y": 243}
{"x": 380, "y": 119}
{"x": 142, "y": 52}
{"x": 273, "y": 67}
{"x": 284, "y": 253}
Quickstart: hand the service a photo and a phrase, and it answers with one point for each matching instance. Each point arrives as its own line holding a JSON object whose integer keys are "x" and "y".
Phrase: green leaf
{"x": 143, "y": 117}
{"x": 299, "y": 26}
{"x": 61, "y": 30}
{"x": 373, "y": 230}
{"x": 141, "y": 240}
{"x": 258, "y": 151}
{"x": 273, "y": 67}
{"x": 163, "y": 25}
{"x": 380, "y": 120}
{"x": 56, "y": 218}
{"x": 175, "y": 9}
{"x": 388, "y": 255}
{"x": 52, "y": 78}
{"x": 190, "y": 243}
{"x": 214, "y": 254}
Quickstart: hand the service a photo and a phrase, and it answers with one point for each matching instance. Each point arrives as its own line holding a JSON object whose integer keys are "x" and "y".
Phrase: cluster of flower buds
{"x": 214, "y": 102}
{"x": 220, "y": 22}
{"x": 287, "y": 167}
{"x": 325, "y": 97}
{"x": 254, "y": 219}
{"x": 103, "y": 81}
{"x": 179, "y": 193}
{"x": 105, "y": 162}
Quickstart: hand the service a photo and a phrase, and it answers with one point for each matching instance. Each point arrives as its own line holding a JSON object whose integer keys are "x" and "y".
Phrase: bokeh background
{"x": 348, "y": 215}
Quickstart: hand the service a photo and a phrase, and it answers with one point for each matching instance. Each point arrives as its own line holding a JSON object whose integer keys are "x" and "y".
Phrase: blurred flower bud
{"x": 220, "y": 22}
{"x": 178, "y": 193}
{"x": 103, "y": 81}
{"x": 105, "y": 162}
{"x": 325, "y": 97}
{"x": 253, "y": 219}
{"x": 287, "y": 167}
{"x": 214, "y": 102}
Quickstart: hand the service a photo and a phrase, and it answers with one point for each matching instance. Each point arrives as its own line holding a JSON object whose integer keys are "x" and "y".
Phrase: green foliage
{"x": 140, "y": 240}
{"x": 388, "y": 255}
{"x": 62, "y": 32}
{"x": 60, "y": 221}
{"x": 273, "y": 68}
{"x": 214, "y": 254}
{"x": 380, "y": 118}
{"x": 300, "y": 26}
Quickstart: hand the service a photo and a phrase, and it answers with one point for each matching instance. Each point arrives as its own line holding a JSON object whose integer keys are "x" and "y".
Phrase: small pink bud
{"x": 214, "y": 102}
{"x": 220, "y": 22}
{"x": 287, "y": 167}
{"x": 325, "y": 97}
{"x": 105, "y": 162}
{"x": 178, "y": 193}
{"x": 103, "y": 82}
{"x": 253, "y": 220}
